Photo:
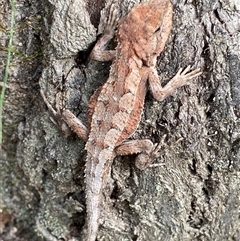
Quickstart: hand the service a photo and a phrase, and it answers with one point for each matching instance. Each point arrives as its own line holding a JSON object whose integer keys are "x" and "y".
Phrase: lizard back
{"x": 118, "y": 105}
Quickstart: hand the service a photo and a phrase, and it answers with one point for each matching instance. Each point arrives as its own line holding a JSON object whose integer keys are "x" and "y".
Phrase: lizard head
{"x": 146, "y": 29}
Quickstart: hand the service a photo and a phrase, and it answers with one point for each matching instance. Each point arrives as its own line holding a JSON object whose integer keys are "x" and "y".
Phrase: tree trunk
{"x": 193, "y": 192}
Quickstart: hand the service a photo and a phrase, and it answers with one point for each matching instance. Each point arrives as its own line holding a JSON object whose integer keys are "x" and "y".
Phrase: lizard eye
{"x": 157, "y": 30}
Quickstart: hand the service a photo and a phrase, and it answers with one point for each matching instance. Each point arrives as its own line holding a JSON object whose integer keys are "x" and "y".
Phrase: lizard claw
{"x": 145, "y": 159}
{"x": 183, "y": 76}
{"x": 155, "y": 153}
{"x": 112, "y": 20}
{"x": 156, "y": 148}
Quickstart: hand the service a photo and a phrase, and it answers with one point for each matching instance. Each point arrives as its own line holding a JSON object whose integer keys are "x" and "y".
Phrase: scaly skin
{"x": 115, "y": 109}
{"x": 120, "y": 103}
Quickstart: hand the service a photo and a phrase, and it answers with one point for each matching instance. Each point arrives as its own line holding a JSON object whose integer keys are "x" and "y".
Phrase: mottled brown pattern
{"x": 115, "y": 108}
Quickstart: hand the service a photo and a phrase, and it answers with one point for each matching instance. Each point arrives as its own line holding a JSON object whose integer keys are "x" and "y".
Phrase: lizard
{"x": 115, "y": 109}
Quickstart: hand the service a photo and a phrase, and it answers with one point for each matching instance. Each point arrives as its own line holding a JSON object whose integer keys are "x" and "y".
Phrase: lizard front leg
{"x": 64, "y": 118}
{"x": 99, "y": 51}
{"x": 180, "y": 79}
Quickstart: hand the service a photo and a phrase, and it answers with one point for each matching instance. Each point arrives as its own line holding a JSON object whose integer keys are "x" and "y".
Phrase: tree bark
{"x": 193, "y": 194}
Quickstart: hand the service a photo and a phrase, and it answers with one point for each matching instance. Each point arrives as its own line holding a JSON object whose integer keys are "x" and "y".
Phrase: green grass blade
{"x": 5, "y": 78}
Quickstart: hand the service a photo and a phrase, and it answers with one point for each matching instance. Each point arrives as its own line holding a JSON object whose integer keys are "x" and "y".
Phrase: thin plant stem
{"x": 5, "y": 78}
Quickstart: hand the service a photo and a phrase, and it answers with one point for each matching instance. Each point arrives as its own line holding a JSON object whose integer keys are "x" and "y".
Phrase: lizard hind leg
{"x": 146, "y": 151}
{"x": 66, "y": 120}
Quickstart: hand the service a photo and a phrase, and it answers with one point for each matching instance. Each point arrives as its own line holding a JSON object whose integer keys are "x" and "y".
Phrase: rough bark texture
{"x": 193, "y": 195}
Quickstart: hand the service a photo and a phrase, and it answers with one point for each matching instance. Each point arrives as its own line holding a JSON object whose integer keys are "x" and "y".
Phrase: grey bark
{"x": 194, "y": 192}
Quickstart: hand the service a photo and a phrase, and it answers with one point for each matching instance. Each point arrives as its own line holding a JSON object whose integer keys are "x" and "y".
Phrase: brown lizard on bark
{"x": 115, "y": 109}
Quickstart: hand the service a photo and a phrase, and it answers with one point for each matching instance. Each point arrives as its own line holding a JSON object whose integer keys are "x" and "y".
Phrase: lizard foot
{"x": 183, "y": 76}
{"x": 146, "y": 151}
{"x": 112, "y": 20}
{"x": 99, "y": 52}
{"x": 66, "y": 120}
{"x": 146, "y": 159}
{"x": 57, "y": 116}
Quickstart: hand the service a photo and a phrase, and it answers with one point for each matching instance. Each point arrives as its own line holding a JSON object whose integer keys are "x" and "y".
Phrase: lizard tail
{"x": 93, "y": 214}
{"x": 97, "y": 169}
